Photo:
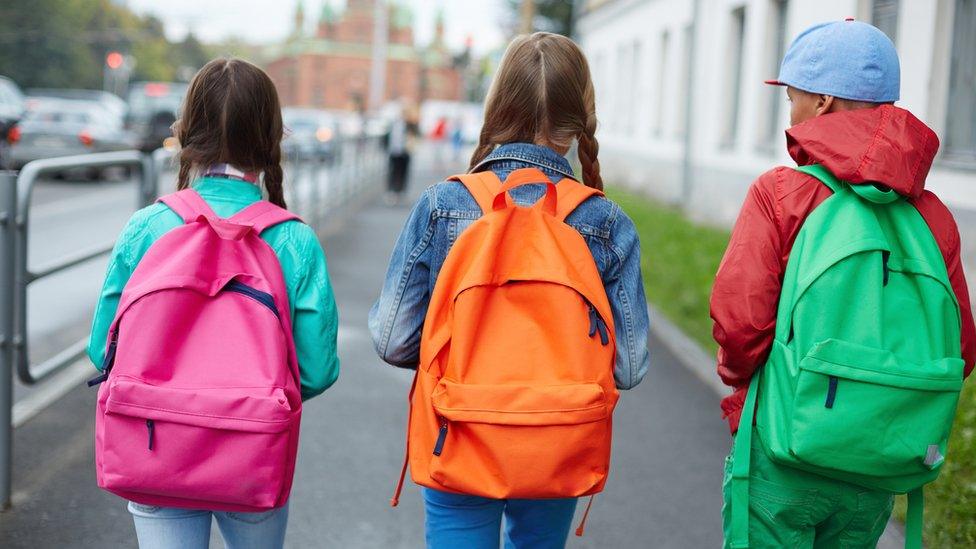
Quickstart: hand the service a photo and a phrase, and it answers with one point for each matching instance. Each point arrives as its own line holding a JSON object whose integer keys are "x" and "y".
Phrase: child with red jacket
{"x": 842, "y": 80}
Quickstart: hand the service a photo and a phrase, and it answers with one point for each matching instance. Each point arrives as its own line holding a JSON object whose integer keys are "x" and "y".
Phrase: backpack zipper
{"x": 441, "y": 436}
{"x": 151, "y": 427}
{"x": 884, "y": 267}
{"x": 598, "y": 325}
{"x": 263, "y": 298}
{"x": 831, "y": 391}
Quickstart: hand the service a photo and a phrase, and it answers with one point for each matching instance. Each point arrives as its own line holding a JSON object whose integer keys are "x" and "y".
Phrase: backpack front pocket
{"x": 867, "y": 412}
{"x": 524, "y": 441}
{"x": 225, "y": 445}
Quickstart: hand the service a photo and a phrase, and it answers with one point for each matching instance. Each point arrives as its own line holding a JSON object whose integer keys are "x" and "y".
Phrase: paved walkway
{"x": 664, "y": 490}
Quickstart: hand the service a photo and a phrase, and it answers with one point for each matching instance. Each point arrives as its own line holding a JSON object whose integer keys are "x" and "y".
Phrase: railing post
{"x": 8, "y": 228}
{"x": 147, "y": 181}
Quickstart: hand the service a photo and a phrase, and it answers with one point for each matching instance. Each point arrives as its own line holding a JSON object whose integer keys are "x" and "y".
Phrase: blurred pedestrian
{"x": 402, "y": 136}
{"x": 842, "y": 308}
{"x": 457, "y": 139}
{"x": 175, "y": 348}
{"x": 438, "y": 137}
{"x": 523, "y": 322}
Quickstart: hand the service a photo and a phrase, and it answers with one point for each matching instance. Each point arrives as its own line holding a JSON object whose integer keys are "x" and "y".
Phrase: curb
{"x": 691, "y": 355}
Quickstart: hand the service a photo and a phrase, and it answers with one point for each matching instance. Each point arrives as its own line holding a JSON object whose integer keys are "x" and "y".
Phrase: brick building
{"x": 331, "y": 68}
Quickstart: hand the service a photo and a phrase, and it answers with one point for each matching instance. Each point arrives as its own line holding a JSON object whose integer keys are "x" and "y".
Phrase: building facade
{"x": 331, "y": 68}
{"x": 657, "y": 76}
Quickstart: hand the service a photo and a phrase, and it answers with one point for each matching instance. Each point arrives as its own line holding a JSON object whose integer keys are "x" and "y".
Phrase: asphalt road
{"x": 664, "y": 490}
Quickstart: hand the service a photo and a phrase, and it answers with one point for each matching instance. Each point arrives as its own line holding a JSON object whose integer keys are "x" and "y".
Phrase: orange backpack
{"x": 514, "y": 391}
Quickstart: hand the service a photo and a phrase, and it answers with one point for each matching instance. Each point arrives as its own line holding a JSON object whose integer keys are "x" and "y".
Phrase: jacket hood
{"x": 886, "y": 145}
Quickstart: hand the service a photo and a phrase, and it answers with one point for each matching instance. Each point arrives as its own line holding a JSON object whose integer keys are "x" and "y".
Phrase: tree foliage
{"x": 63, "y": 43}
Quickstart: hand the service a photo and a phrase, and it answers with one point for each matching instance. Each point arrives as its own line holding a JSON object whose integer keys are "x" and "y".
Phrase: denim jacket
{"x": 447, "y": 208}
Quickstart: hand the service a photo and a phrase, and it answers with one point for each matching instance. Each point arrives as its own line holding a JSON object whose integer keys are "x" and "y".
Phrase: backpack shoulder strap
{"x": 483, "y": 186}
{"x": 741, "y": 461}
{"x": 821, "y": 173}
{"x": 262, "y": 215}
{"x": 570, "y": 194}
{"x": 188, "y": 204}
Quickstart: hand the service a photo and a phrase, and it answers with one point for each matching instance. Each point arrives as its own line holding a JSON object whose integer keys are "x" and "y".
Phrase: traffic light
{"x": 114, "y": 60}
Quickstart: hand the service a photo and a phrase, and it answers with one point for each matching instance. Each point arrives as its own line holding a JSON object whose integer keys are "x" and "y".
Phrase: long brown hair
{"x": 232, "y": 115}
{"x": 543, "y": 94}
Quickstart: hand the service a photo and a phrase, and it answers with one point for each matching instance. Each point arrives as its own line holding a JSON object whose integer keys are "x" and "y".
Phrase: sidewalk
{"x": 664, "y": 490}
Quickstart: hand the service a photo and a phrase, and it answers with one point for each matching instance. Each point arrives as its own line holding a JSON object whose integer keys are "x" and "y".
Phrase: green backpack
{"x": 864, "y": 374}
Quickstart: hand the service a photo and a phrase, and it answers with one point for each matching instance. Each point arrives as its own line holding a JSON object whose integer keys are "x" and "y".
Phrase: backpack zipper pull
{"x": 593, "y": 320}
{"x": 151, "y": 427}
{"x": 604, "y": 337}
{"x": 107, "y": 363}
{"x": 586, "y": 514}
{"x": 441, "y": 436}
{"x": 598, "y": 325}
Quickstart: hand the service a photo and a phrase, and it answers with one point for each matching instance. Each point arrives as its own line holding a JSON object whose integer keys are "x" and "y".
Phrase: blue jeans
{"x": 474, "y": 522}
{"x": 169, "y": 528}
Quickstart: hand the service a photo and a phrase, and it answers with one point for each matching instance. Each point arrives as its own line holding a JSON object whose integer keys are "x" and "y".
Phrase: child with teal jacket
{"x": 230, "y": 132}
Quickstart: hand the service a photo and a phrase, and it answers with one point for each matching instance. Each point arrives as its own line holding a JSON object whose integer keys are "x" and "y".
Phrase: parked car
{"x": 11, "y": 110}
{"x": 54, "y": 127}
{"x": 309, "y": 133}
{"x": 153, "y": 107}
{"x": 109, "y": 100}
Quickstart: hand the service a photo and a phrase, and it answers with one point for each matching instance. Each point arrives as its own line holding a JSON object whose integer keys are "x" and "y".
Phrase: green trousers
{"x": 795, "y": 509}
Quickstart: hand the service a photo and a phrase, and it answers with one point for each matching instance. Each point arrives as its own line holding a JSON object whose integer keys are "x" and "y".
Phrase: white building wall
{"x": 642, "y": 131}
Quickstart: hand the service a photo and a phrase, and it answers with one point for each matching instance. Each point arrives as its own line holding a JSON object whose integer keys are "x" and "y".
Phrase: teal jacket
{"x": 315, "y": 319}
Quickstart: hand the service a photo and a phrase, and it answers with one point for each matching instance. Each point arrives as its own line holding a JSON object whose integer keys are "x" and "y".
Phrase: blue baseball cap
{"x": 846, "y": 59}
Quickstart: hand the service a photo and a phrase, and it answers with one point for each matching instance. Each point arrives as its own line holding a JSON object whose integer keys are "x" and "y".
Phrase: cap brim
{"x": 774, "y": 83}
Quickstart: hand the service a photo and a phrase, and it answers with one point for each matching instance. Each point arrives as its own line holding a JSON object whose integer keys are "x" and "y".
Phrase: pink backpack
{"x": 201, "y": 400}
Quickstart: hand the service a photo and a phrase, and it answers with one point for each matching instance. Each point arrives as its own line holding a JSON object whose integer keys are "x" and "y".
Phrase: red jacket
{"x": 886, "y": 145}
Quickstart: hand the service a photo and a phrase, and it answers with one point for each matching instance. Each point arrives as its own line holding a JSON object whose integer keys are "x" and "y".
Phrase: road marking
{"x": 50, "y": 391}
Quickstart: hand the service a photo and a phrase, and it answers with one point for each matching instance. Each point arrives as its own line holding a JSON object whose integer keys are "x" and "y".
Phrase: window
{"x": 884, "y": 15}
{"x": 777, "y": 48}
{"x": 634, "y": 88}
{"x": 960, "y": 138}
{"x": 734, "y": 75}
{"x": 599, "y": 70}
{"x": 623, "y": 83}
{"x": 662, "y": 78}
{"x": 684, "y": 95}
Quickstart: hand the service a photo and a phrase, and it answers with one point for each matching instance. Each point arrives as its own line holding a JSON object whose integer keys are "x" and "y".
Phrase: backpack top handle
{"x": 526, "y": 176}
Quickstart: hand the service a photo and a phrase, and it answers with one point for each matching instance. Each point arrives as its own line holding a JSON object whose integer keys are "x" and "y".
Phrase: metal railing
{"x": 145, "y": 194}
{"x": 317, "y": 186}
{"x": 315, "y": 190}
